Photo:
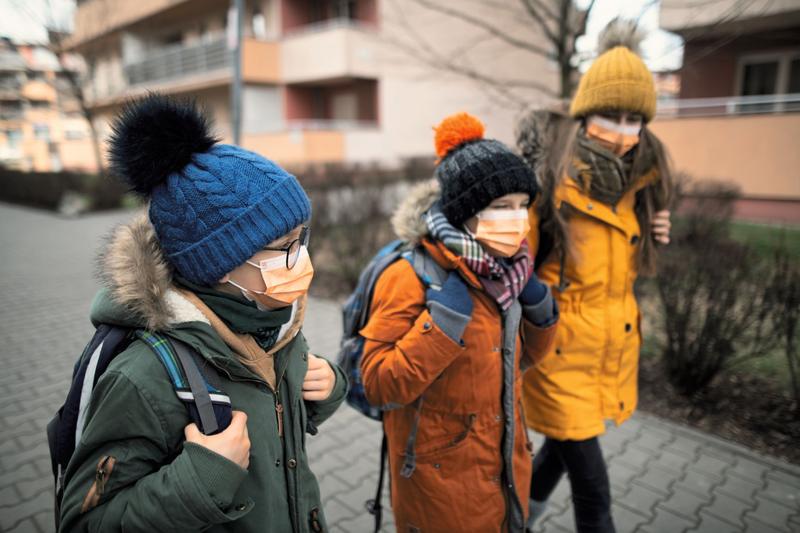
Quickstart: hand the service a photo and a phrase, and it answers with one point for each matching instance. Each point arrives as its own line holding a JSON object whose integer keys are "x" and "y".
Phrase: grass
{"x": 765, "y": 238}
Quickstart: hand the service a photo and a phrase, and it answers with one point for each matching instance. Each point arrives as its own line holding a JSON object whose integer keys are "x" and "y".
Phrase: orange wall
{"x": 757, "y": 152}
{"x": 298, "y": 146}
{"x": 260, "y": 61}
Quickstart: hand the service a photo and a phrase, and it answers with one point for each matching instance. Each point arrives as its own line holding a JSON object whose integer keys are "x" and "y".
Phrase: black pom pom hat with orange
{"x": 474, "y": 171}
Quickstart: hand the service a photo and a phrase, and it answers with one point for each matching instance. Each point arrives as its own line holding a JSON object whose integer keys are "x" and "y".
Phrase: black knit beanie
{"x": 474, "y": 171}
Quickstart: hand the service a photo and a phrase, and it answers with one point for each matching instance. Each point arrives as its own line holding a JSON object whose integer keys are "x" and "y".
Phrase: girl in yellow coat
{"x": 605, "y": 186}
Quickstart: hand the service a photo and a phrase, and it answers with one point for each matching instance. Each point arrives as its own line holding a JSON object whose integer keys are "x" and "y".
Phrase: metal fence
{"x": 739, "y": 105}
{"x": 178, "y": 61}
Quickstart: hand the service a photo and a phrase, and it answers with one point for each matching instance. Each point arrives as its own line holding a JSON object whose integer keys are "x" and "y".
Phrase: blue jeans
{"x": 583, "y": 461}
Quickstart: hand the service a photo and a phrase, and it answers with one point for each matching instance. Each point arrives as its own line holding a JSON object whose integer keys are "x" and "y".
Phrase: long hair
{"x": 552, "y": 150}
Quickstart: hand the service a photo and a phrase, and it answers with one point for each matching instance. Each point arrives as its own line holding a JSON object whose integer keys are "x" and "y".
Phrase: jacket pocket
{"x": 429, "y": 446}
{"x": 101, "y": 476}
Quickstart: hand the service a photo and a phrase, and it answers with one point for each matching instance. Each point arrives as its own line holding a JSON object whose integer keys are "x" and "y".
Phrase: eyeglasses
{"x": 293, "y": 249}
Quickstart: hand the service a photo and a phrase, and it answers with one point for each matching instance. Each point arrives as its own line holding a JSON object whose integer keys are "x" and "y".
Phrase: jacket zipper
{"x": 279, "y": 414}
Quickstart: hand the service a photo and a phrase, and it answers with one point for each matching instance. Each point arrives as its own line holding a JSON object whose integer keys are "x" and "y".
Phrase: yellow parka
{"x": 590, "y": 374}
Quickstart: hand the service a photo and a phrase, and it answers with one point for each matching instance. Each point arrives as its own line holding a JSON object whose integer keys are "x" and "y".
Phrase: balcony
{"x": 751, "y": 141}
{"x": 349, "y": 52}
{"x": 96, "y": 18}
{"x": 180, "y": 61}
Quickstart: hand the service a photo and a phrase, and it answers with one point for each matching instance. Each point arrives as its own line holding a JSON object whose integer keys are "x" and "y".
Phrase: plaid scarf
{"x": 503, "y": 279}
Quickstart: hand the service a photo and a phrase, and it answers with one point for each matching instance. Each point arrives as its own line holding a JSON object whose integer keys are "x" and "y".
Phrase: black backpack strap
{"x": 374, "y": 506}
{"x": 197, "y": 383}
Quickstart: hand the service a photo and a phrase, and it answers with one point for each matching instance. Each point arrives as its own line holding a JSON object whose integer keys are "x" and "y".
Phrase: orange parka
{"x": 473, "y": 457}
{"x": 590, "y": 374}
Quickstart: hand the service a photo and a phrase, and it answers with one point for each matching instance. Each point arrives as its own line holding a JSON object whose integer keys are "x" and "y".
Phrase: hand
{"x": 533, "y": 292}
{"x": 233, "y": 443}
{"x": 661, "y": 226}
{"x": 319, "y": 381}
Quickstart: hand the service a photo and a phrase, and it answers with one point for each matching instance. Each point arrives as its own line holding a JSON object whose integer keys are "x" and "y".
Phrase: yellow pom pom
{"x": 456, "y": 130}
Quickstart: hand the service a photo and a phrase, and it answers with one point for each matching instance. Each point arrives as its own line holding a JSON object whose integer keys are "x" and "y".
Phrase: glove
{"x": 451, "y": 306}
{"x": 538, "y": 305}
{"x": 533, "y": 292}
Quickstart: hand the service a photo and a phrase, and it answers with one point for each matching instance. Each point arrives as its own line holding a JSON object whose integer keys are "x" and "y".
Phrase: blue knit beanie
{"x": 212, "y": 205}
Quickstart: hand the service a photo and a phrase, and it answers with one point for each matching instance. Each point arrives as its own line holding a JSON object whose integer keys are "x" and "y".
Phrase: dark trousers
{"x": 583, "y": 461}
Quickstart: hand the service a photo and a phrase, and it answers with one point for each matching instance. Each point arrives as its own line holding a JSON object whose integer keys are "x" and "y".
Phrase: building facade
{"x": 41, "y": 127}
{"x": 737, "y": 117}
{"x": 324, "y": 80}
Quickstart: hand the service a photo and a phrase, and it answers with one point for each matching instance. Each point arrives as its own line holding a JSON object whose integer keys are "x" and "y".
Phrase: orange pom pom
{"x": 456, "y": 130}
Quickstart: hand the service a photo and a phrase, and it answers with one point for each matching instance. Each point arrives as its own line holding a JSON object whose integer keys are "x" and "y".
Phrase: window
{"x": 760, "y": 78}
{"x": 776, "y": 73}
{"x": 14, "y": 138}
{"x": 41, "y": 131}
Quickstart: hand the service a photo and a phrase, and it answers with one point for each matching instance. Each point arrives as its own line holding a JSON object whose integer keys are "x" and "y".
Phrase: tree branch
{"x": 494, "y": 31}
{"x": 535, "y": 15}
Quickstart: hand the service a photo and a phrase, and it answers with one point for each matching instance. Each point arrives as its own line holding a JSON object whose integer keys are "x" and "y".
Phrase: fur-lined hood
{"x": 407, "y": 219}
{"x": 138, "y": 279}
{"x": 535, "y": 134}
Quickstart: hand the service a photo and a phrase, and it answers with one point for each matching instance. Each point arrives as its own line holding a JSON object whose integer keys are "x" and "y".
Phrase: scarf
{"x": 502, "y": 278}
{"x": 243, "y": 316}
{"x": 601, "y": 173}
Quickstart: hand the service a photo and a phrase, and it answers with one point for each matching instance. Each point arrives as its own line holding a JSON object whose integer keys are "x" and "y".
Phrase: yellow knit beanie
{"x": 618, "y": 79}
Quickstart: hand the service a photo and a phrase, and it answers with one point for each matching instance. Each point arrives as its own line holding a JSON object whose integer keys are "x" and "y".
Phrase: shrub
{"x": 47, "y": 189}
{"x": 715, "y": 293}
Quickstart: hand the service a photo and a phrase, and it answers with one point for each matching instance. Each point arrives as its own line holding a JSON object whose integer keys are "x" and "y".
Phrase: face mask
{"x": 283, "y": 285}
{"x": 501, "y": 230}
{"x": 616, "y": 137}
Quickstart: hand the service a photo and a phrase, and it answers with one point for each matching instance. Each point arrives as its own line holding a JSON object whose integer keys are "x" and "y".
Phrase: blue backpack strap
{"x": 196, "y": 382}
{"x": 427, "y": 270}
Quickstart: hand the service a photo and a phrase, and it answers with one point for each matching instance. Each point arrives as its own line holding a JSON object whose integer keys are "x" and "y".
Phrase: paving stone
{"x": 748, "y": 469}
{"x": 11, "y": 516}
{"x": 45, "y": 521}
{"x": 336, "y": 512}
{"x": 635, "y": 457}
{"x": 685, "y": 446}
{"x": 26, "y": 526}
{"x": 710, "y": 464}
{"x": 756, "y": 526}
{"x": 29, "y": 489}
{"x": 656, "y": 479}
{"x": 20, "y": 473}
{"x": 626, "y": 519}
{"x": 685, "y": 503}
{"x": 641, "y": 500}
{"x": 647, "y": 441}
{"x": 790, "y": 478}
{"x": 562, "y": 521}
{"x": 782, "y": 492}
{"x": 696, "y": 481}
{"x": 671, "y": 461}
{"x": 621, "y": 475}
{"x": 771, "y": 513}
{"x": 728, "y": 509}
{"x": 667, "y": 522}
{"x": 8, "y": 497}
{"x": 739, "y": 488}
{"x": 711, "y": 524}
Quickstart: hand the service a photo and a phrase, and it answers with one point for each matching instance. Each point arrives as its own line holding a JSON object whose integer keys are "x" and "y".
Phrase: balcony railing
{"x": 330, "y": 124}
{"x": 179, "y": 61}
{"x": 739, "y": 105}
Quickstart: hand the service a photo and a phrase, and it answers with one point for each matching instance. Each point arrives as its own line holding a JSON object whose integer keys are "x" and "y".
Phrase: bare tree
{"x": 555, "y": 26}
{"x": 75, "y": 72}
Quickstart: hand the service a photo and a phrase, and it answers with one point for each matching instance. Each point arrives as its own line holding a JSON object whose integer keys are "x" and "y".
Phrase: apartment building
{"x": 41, "y": 128}
{"x": 737, "y": 116}
{"x": 324, "y": 80}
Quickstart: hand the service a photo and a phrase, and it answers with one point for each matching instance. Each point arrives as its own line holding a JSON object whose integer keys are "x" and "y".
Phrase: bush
{"x": 47, "y": 189}
{"x": 715, "y": 293}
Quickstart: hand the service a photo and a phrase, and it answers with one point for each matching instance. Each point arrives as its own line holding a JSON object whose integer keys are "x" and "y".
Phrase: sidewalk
{"x": 665, "y": 477}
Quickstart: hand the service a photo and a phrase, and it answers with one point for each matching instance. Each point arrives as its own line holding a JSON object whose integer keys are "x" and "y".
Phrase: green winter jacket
{"x": 134, "y": 425}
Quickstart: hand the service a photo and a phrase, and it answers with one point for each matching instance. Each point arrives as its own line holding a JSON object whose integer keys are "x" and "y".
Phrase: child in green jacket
{"x": 219, "y": 262}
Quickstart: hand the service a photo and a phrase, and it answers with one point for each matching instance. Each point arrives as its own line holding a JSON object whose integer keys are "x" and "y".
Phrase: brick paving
{"x": 665, "y": 478}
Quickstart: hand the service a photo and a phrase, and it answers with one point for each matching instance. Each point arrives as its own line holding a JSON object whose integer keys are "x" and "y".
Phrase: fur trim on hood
{"x": 535, "y": 135}
{"x": 407, "y": 219}
{"x": 133, "y": 269}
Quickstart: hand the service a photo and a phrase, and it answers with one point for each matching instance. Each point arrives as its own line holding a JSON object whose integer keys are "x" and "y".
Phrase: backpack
{"x": 355, "y": 316}
{"x": 195, "y": 381}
